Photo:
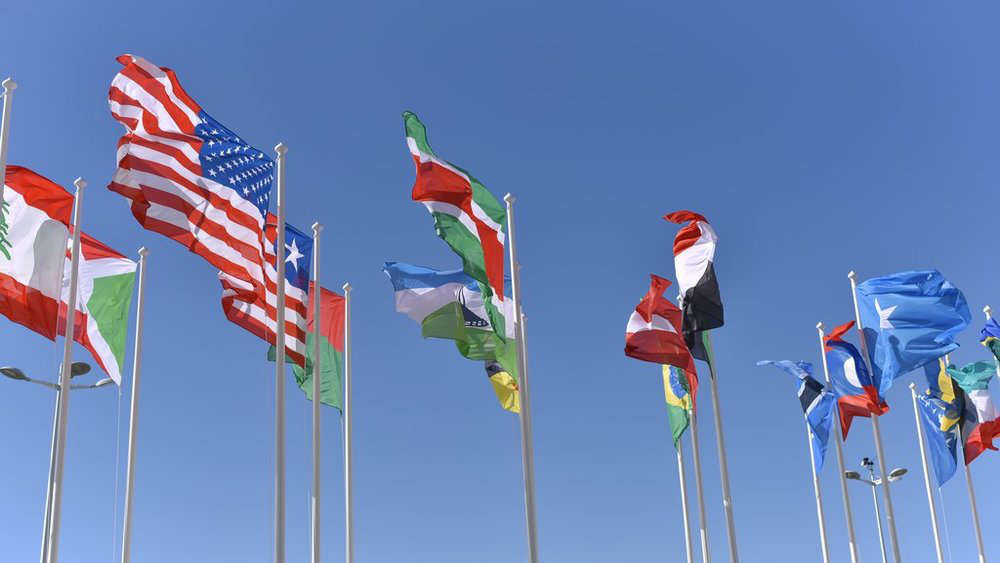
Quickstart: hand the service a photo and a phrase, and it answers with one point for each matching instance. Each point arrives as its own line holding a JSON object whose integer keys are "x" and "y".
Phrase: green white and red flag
{"x": 467, "y": 216}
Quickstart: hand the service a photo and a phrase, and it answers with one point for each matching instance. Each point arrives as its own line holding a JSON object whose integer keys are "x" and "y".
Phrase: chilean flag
{"x": 694, "y": 251}
{"x": 652, "y": 332}
{"x": 856, "y": 388}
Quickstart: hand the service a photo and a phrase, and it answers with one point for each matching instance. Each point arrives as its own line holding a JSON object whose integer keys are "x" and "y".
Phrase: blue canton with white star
{"x": 298, "y": 257}
{"x": 230, "y": 161}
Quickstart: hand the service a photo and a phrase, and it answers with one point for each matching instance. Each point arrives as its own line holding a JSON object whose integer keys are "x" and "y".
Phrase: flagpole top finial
{"x": 317, "y": 227}
{"x": 143, "y": 252}
{"x": 819, "y": 326}
{"x": 988, "y": 310}
{"x": 913, "y": 386}
{"x": 8, "y": 84}
{"x": 80, "y": 183}
{"x": 509, "y": 198}
{"x": 852, "y": 276}
{"x": 281, "y": 149}
{"x": 347, "y": 287}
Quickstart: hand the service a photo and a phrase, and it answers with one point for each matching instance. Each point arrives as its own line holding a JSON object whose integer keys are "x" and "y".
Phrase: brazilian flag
{"x": 677, "y": 391}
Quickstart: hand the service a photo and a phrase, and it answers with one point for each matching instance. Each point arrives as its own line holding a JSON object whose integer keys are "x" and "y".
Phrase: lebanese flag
{"x": 33, "y": 237}
{"x": 652, "y": 336}
{"x": 694, "y": 251}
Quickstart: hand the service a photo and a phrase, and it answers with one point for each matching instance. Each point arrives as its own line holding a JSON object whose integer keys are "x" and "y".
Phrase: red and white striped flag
{"x": 653, "y": 334}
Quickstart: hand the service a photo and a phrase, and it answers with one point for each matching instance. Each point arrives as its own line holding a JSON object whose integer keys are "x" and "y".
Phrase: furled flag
{"x": 186, "y": 176}
{"x": 331, "y": 348}
{"x": 990, "y": 337}
{"x": 466, "y": 216}
{"x": 253, "y": 308}
{"x": 104, "y": 298}
{"x": 694, "y": 253}
{"x": 817, "y": 405}
{"x": 449, "y": 305}
{"x": 679, "y": 400}
{"x": 942, "y": 434}
{"x": 911, "y": 319}
{"x": 856, "y": 389}
{"x": 974, "y": 379}
{"x": 652, "y": 333}
{"x": 31, "y": 267}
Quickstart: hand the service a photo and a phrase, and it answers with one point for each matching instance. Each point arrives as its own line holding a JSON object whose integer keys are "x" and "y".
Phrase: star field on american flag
{"x": 230, "y": 161}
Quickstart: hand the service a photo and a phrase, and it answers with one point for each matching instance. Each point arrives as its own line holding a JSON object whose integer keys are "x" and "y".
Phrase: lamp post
{"x": 875, "y": 482}
{"x": 76, "y": 369}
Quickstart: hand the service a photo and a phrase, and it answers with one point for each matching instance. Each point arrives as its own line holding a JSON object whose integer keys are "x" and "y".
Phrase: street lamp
{"x": 874, "y": 482}
{"x": 75, "y": 369}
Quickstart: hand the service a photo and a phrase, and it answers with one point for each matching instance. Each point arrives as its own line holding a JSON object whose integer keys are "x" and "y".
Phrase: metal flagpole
{"x": 527, "y": 452}
{"x": 819, "y": 496}
{"x": 47, "y": 523}
{"x": 890, "y": 517}
{"x": 316, "y": 391}
{"x": 927, "y": 476}
{"x": 279, "y": 365}
{"x": 134, "y": 411}
{"x": 727, "y": 497}
{"x": 840, "y": 457}
{"x": 64, "y": 376}
{"x": 8, "y": 101}
{"x": 684, "y": 502}
{"x": 706, "y": 556}
{"x": 972, "y": 497}
{"x": 348, "y": 484}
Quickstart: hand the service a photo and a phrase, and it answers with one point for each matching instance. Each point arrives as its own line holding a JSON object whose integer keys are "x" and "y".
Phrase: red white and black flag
{"x": 701, "y": 303}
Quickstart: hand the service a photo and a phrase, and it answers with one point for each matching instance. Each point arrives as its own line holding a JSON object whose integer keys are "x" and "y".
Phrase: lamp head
{"x": 78, "y": 368}
{"x": 897, "y": 473}
{"x": 13, "y": 373}
{"x": 852, "y": 475}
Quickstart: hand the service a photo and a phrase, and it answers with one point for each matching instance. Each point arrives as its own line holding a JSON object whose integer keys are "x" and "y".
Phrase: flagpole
{"x": 348, "y": 476}
{"x": 727, "y": 497}
{"x": 47, "y": 522}
{"x": 819, "y": 496}
{"x": 316, "y": 392}
{"x": 706, "y": 556}
{"x": 989, "y": 315}
{"x": 890, "y": 516}
{"x": 684, "y": 501}
{"x": 527, "y": 453}
{"x": 852, "y": 544}
{"x": 927, "y": 476}
{"x": 8, "y": 102}
{"x": 279, "y": 364}
{"x": 133, "y": 419}
{"x": 64, "y": 376}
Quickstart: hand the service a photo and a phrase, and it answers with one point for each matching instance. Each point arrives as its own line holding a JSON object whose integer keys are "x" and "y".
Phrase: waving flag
{"x": 254, "y": 308}
{"x": 466, "y": 216}
{"x": 652, "y": 333}
{"x": 694, "y": 253}
{"x": 912, "y": 318}
{"x": 31, "y": 268}
{"x": 857, "y": 390}
{"x": 817, "y": 404}
{"x": 990, "y": 337}
{"x": 936, "y": 416}
{"x": 186, "y": 176}
{"x": 104, "y": 299}
{"x": 981, "y": 422}
{"x": 677, "y": 391}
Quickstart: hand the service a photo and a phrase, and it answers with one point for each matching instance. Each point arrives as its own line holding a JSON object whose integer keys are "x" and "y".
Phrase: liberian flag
{"x": 38, "y": 214}
{"x": 466, "y": 216}
{"x": 104, "y": 298}
{"x": 694, "y": 251}
{"x": 856, "y": 389}
{"x": 652, "y": 332}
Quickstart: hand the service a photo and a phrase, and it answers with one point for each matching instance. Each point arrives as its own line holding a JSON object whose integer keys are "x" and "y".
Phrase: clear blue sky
{"x": 816, "y": 139}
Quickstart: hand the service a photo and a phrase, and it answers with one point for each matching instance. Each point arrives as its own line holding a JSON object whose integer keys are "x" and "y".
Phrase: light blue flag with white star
{"x": 910, "y": 319}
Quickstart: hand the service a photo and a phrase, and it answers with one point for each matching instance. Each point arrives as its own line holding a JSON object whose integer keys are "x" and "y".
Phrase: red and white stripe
{"x": 652, "y": 333}
{"x": 694, "y": 248}
{"x": 245, "y": 307}
{"x": 160, "y": 172}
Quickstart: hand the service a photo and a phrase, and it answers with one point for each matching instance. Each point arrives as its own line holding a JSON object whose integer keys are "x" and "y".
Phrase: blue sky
{"x": 816, "y": 139}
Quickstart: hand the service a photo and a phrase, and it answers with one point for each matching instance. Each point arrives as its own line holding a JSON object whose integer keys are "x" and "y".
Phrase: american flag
{"x": 244, "y": 307}
{"x": 190, "y": 178}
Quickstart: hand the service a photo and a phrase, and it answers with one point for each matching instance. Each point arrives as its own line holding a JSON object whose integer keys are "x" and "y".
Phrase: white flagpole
{"x": 927, "y": 476}
{"x": 727, "y": 497}
{"x": 852, "y": 544}
{"x": 684, "y": 502}
{"x": 819, "y": 496}
{"x": 8, "y": 101}
{"x": 316, "y": 392}
{"x": 133, "y": 419}
{"x": 65, "y": 373}
{"x": 706, "y": 556}
{"x": 890, "y": 517}
{"x": 348, "y": 475}
{"x": 527, "y": 450}
{"x": 279, "y": 365}
{"x": 972, "y": 497}
{"x": 47, "y": 523}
